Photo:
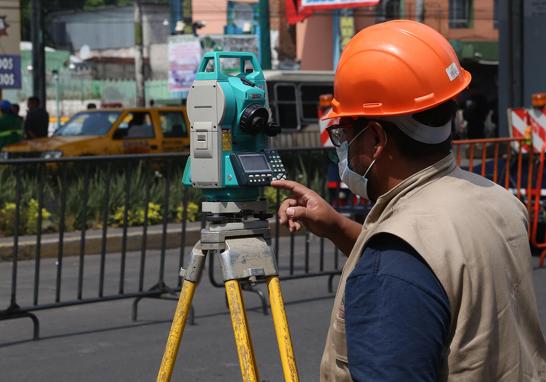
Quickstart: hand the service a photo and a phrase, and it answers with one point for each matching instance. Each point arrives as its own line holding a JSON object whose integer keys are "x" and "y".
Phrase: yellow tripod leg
{"x": 247, "y": 361}
{"x": 177, "y": 329}
{"x": 284, "y": 341}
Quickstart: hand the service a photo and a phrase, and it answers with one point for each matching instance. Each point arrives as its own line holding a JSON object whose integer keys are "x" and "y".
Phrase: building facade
{"x": 470, "y": 25}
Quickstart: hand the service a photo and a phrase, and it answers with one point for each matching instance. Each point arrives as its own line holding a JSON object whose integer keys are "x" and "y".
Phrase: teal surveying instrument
{"x": 229, "y": 160}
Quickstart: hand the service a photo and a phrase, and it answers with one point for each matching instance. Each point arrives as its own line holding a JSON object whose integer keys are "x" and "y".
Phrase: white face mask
{"x": 358, "y": 184}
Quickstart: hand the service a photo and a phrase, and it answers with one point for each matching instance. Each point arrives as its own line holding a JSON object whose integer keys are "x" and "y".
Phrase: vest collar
{"x": 410, "y": 185}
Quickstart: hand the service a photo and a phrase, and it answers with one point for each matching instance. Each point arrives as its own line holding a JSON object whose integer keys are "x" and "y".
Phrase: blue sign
{"x": 10, "y": 71}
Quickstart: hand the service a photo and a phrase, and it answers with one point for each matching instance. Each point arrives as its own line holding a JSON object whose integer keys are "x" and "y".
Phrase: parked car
{"x": 110, "y": 132}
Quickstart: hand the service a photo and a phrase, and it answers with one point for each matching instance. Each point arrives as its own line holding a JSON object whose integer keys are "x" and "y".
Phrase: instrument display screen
{"x": 254, "y": 163}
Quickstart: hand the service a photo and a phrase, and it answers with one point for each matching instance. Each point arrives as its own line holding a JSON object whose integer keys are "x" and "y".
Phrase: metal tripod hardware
{"x": 215, "y": 236}
{"x": 243, "y": 246}
{"x": 247, "y": 257}
{"x": 197, "y": 261}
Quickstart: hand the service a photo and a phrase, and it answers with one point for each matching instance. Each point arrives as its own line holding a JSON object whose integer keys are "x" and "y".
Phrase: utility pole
{"x": 511, "y": 53}
{"x": 38, "y": 53}
{"x": 176, "y": 14}
{"x": 139, "y": 55}
{"x": 187, "y": 16}
{"x": 265, "y": 35}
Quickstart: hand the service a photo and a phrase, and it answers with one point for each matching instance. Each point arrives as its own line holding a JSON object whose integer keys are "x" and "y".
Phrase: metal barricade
{"x": 537, "y": 211}
{"x": 501, "y": 160}
{"x": 129, "y": 272}
{"x": 63, "y": 281}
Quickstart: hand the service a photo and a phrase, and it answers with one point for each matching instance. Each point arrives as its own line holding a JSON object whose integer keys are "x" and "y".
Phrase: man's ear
{"x": 380, "y": 138}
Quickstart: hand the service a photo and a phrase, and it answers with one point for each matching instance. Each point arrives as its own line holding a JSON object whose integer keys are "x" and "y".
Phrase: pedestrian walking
{"x": 37, "y": 119}
{"x": 438, "y": 281}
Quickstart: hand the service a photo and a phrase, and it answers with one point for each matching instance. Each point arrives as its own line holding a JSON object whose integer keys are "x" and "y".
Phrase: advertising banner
{"x": 10, "y": 37}
{"x": 346, "y": 27}
{"x": 184, "y": 57}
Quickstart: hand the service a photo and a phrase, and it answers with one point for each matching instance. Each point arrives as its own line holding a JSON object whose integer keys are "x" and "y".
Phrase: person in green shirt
{"x": 11, "y": 128}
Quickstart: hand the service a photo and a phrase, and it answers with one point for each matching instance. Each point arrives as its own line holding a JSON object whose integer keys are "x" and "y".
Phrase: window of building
{"x": 285, "y": 106}
{"x": 310, "y": 94}
{"x": 389, "y": 10}
{"x": 392, "y": 9}
{"x": 460, "y": 13}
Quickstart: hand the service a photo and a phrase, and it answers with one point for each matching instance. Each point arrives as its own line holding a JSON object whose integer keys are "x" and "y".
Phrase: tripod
{"x": 238, "y": 234}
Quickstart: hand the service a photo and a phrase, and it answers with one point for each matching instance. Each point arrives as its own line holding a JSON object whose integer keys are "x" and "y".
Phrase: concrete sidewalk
{"x": 93, "y": 240}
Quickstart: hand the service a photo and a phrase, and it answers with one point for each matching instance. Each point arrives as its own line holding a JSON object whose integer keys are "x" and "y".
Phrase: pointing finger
{"x": 290, "y": 185}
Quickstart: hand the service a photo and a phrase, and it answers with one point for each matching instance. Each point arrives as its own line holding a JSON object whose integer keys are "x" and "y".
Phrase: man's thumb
{"x": 296, "y": 212}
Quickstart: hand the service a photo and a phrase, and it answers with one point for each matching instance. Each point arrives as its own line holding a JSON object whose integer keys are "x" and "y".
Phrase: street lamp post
{"x": 55, "y": 74}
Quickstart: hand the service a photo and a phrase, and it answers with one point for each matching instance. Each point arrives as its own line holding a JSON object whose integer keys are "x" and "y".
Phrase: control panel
{"x": 277, "y": 168}
{"x": 258, "y": 169}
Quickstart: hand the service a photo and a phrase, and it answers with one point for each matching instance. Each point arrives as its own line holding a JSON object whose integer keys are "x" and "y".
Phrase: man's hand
{"x": 306, "y": 208}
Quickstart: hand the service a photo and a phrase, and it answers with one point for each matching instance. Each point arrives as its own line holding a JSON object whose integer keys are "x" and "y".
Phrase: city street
{"x": 99, "y": 342}
{"x": 130, "y": 130}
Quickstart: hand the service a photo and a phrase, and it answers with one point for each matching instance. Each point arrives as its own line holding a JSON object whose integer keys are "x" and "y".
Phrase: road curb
{"x": 114, "y": 241}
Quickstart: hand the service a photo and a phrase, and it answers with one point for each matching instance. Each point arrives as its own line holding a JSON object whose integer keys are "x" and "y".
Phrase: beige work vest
{"x": 473, "y": 235}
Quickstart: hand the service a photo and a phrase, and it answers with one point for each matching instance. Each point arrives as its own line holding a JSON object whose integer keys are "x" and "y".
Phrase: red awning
{"x": 294, "y": 12}
{"x": 298, "y": 10}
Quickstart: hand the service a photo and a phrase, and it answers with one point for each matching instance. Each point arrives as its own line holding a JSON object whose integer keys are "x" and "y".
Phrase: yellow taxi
{"x": 110, "y": 132}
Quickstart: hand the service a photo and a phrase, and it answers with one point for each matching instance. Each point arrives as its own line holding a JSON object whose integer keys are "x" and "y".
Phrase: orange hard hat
{"x": 393, "y": 68}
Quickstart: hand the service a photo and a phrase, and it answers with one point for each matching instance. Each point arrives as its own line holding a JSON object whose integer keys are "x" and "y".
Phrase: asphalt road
{"x": 99, "y": 342}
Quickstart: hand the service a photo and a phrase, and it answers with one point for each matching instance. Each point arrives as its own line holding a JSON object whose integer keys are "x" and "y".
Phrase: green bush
{"x": 7, "y": 219}
{"x": 135, "y": 216}
{"x": 192, "y": 212}
{"x": 146, "y": 180}
{"x": 31, "y": 218}
{"x": 28, "y": 218}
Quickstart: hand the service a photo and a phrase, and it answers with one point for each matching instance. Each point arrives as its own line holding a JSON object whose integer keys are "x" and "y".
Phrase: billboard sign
{"x": 184, "y": 54}
{"x": 10, "y": 37}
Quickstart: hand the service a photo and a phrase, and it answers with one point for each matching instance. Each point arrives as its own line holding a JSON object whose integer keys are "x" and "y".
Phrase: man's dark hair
{"x": 34, "y": 99}
{"x": 412, "y": 149}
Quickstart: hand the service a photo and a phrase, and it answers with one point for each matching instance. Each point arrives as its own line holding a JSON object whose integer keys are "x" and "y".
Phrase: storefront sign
{"x": 10, "y": 53}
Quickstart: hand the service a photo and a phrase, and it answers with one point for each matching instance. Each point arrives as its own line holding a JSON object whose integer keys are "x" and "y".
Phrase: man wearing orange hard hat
{"x": 438, "y": 283}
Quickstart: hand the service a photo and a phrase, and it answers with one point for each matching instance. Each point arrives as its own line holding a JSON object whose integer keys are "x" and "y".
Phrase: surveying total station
{"x": 229, "y": 161}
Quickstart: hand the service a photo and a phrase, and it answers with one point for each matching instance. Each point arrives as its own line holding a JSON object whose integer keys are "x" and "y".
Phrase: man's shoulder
{"x": 389, "y": 256}
{"x": 462, "y": 190}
